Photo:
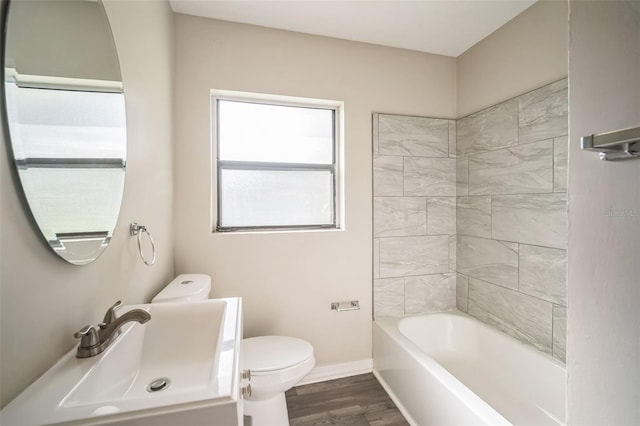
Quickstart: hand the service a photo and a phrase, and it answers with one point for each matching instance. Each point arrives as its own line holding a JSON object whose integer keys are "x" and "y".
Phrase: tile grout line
{"x": 553, "y": 166}
{"x": 553, "y": 320}
{"x": 519, "y": 267}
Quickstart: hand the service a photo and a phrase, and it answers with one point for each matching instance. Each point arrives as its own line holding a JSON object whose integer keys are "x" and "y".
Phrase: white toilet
{"x": 276, "y": 363}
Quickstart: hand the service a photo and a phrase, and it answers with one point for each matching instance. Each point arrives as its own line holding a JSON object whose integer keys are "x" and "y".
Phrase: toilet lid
{"x": 268, "y": 353}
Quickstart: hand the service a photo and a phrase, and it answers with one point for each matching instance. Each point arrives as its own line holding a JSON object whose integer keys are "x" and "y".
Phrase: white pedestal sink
{"x": 180, "y": 368}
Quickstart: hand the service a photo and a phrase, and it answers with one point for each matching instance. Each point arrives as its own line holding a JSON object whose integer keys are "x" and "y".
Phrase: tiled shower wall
{"x": 512, "y": 216}
{"x": 507, "y": 251}
{"x": 414, "y": 221}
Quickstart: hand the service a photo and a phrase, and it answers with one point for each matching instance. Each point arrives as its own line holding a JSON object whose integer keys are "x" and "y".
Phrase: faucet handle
{"x": 110, "y": 315}
{"x": 88, "y": 336}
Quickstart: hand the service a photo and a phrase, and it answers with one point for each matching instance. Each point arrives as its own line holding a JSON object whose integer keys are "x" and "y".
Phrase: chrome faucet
{"x": 94, "y": 341}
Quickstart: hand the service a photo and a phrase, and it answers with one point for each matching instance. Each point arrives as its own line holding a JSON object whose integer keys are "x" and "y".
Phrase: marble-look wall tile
{"x": 404, "y": 256}
{"x": 537, "y": 219}
{"x": 441, "y": 215}
{"x": 429, "y": 176}
{"x": 404, "y": 176}
{"x": 488, "y": 260}
{"x": 462, "y": 176}
{"x": 515, "y": 170}
{"x": 429, "y": 293}
{"x": 497, "y": 251}
{"x": 387, "y": 176}
{"x": 491, "y": 128}
{"x": 413, "y": 136}
{"x": 453, "y": 244}
{"x": 473, "y": 216}
{"x": 388, "y": 297}
{"x": 452, "y": 139}
{"x": 524, "y": 317}
{"x": 399, "y": 216}
{"x": 543, "y": 113}
{"x": 376, "y": 258}
{"x": 560, "y": 332}
{"x": 543, "y": 273}
{"x": 560, "y": 163}
{"x": 462, "y": 292}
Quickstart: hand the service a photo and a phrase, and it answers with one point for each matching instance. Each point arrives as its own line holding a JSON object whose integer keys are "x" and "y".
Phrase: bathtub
{"x": 451, "y": 369}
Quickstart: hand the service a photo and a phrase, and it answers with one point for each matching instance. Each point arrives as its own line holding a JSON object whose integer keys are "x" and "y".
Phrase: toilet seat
{"x": 267, "y": 354}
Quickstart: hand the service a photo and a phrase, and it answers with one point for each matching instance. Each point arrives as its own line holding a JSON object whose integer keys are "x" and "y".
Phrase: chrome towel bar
{"x": 618, "y": 145}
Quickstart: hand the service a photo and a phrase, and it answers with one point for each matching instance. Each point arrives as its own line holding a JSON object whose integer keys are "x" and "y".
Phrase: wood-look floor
{"x": 354, "y": 401}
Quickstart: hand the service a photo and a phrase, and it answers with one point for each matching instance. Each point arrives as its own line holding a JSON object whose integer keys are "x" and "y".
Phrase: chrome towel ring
{"x": 136, "y": 229}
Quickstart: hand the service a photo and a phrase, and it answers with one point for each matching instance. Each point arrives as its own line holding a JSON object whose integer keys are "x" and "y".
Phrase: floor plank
{"x": 352, "y": 401}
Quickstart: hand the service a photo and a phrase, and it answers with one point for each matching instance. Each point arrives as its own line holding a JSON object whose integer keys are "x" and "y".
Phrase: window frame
{"x": 218, "y": 165}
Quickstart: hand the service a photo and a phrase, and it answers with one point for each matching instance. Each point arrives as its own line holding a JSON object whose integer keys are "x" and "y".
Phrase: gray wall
{"x": 44, "y": 300}
{"x": 472, "y": 213}
{"x": 603, "y": 357}
{"x": 289, "y": 279}
{"x": 525, "y": 53}
{"x": 72, "y": 40}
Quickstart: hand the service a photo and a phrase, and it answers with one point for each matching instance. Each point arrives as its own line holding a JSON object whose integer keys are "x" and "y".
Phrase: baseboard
{"x": 322, "y": 373}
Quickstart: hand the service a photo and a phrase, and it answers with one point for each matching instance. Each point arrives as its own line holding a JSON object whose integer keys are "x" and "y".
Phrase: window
{"x": 275, "y": 162}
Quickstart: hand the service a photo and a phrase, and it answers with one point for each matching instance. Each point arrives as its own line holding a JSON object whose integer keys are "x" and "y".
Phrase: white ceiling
{"x": 446, "y": 27}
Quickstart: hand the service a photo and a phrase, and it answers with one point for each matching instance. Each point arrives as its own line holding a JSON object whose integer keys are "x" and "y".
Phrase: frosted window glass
{"x": 276, "y": 198}
{"x": 73, "y": 200}
{"x": 66, "y": 124}
{"x": 274, "y": 133}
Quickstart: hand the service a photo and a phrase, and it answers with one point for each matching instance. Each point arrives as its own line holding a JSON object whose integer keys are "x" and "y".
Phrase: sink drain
{"x": 158, "y": 385}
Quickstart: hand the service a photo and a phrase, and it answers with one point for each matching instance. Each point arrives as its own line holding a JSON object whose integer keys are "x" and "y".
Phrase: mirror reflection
{"x": 66, "y": 118}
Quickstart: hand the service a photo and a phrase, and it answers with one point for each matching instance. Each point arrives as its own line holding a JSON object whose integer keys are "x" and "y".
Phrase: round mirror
{"x": 65, "y": 114}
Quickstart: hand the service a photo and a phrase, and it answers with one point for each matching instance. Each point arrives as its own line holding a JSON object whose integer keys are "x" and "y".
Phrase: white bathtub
{"x": 450, "y": 369}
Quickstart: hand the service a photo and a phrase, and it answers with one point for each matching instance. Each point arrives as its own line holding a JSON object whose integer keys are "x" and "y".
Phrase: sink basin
{"x": 181, "y": 365}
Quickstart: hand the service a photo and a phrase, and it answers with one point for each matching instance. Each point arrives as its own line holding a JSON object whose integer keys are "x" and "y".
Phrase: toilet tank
{"x": 185, "y": 288}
